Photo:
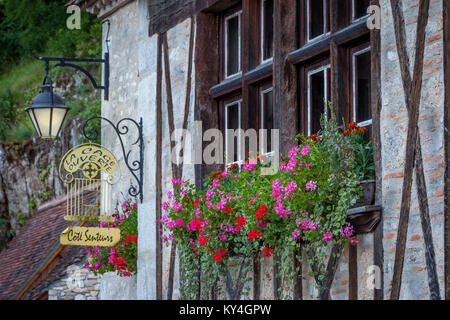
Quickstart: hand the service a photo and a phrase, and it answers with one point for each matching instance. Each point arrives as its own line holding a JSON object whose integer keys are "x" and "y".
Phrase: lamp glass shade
{"x": 47, "y": 121}
{"x": 47, "y": 113}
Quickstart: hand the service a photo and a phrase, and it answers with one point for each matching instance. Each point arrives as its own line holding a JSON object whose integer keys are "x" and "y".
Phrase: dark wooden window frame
{"x": 305, "y": 111}
{"x": 254, "y": 72}
{"x": 263, "y": 88}
{"x": 224, "y": 104}
{"x": 353, "y": 13}
{"x": 345, "y": 37}
{"x": 360, "y": 49}
{"x": 261, "y": 34}
{"x": 229, "y": 14}
{"x": 308, "y": 20}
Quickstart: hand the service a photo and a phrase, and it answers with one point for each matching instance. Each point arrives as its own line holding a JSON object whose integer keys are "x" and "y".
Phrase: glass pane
{"x": 362, "y": 82}
{"x": 317, "y": 97}
{"x": 267, "y": 104}
{"x": 233, "y": 123}
{"x": 316, "y": 22}
{"x": 232, "y": 45}
{"x": 318, "y": 17}
{"x": 57, "y": 118}
{"x": 268, "y": 29}
{"x": 43, "y": 119}
{"x": 360, "y": 8}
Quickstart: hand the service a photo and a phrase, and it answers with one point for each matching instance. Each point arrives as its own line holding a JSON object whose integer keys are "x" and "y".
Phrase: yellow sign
{"x": 82, "y": 236}
{"x": 90, "y": 159}
{"x": 89, "y": 168}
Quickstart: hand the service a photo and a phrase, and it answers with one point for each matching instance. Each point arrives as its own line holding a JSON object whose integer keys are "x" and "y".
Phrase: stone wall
{"x": 133, "y": 94}
{"x": 394, "y": 122}
{"x": 77, "y": 284}
{"x": 29, "y": 176}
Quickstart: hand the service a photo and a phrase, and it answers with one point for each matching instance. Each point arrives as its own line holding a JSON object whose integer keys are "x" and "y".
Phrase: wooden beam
{"x": 333, "y": 262}
{"x": 158, "y": 178}
{"x": 284, "y": 73}
{"x": 284, "y": 87}
{"x": 336, "y": 67}
{"x": 177, "y": 168}
{"x": 352, "y": 272}
{"x": 326, "y": 283}
{"x": 298, "y": 284}
{"x": 172, "y": 147}
{"x": 376, "y": 105}
{"x": 207, "y": 70}
{"x": 430, "y": 256}
{"x": 446, "y": 17}
{"x": 412, "y": 91}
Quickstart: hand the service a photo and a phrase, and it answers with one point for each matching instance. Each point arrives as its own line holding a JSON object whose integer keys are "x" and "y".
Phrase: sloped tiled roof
{"x": 33, "y": 246}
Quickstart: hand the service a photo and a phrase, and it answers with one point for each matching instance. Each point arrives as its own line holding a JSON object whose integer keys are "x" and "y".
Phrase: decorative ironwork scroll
{"x": 136, "y": 166}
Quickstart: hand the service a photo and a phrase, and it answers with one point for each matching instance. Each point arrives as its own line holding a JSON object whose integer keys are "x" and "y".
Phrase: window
{"x": 361, "y": 75}
{"x": 244, "y": 82}
{"x": 232, "y": 141}
{"x": 318, "y": 96}
{"x": 318, "y": 22}
{"x": 359, "y": 8}
{"x": 233, "y": 44}
{"x": 266, "y": 30}
{"x": 346, "y": 52}
{"x": 266, "y": 113}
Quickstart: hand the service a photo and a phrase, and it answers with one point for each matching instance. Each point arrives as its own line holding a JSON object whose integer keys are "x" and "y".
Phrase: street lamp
{"x": 47, "y": 111}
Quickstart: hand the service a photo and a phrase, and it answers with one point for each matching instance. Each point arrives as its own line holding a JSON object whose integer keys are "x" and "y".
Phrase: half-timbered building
{"x": 271, "y": 64}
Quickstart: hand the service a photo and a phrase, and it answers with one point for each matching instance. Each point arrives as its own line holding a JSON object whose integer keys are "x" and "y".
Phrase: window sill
{"x": 226, "y": 86}
{"x": 365, "y": 218}
{"x": 260, "y": 73}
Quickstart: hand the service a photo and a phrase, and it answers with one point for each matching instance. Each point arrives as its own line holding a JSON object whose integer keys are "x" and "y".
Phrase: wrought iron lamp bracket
{"x": 72, "y": 62}
{"x": 135, "y": 166}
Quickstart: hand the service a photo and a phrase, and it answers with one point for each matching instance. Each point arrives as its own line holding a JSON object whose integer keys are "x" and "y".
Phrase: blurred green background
{"x": 38, "y": 27}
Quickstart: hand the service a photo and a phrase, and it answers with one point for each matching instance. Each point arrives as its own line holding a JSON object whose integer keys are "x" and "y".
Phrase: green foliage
{"x": 32, "y": 203}
{"x": 30, "y": 27}
{"x": 121, "y": 258}
{"x": 44, "y": 194}
{"x": 243, "y": 211}
{"x": 36, "y": 27}
{"x": 22, "y": 218}
{"x": 6, "y": 232}
{"x": 8, "y": 111}
{"x": 85, "y": 109}
{"x": 363, "y": 150}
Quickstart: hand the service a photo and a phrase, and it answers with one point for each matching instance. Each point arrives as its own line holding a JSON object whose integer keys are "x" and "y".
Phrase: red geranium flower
{"x": 219, "y": 255}
{"x": 128, "y": 238}
{"x": 267, "y": 251}
{"x": 262, "y": 211}
{"x": 196, "y": 204}
{"x": 202, "y": 240}
{"x": 227, "y": 209}
{"x": 253, "y": 234}
{"x": 241, "y": 221}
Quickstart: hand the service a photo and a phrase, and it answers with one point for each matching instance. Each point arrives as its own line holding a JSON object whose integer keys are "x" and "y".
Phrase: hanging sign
{"x": 83, "y": 236}
{"x": 85, "y": 169}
